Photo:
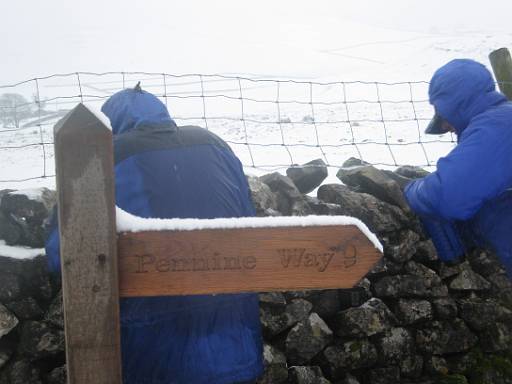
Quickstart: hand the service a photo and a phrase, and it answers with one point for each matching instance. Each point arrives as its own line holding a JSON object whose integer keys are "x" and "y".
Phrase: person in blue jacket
{"x": 166, "y": 171}
{"x": 469, "y": 196}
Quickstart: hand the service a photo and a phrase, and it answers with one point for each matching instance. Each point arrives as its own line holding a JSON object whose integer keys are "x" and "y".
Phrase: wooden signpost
{"x": 243, "y": 260}
{"x": 98, "y": 266}
{"x": 85, "y": 187}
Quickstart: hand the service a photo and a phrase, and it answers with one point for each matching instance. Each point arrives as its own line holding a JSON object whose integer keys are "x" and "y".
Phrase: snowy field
{"x": 293, "y": 84}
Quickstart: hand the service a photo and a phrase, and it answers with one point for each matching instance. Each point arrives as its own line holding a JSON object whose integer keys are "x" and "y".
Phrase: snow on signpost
{"x": 192, "y": 256}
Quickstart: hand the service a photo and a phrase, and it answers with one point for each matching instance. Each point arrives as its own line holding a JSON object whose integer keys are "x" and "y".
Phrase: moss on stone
{"x": 453, "y": 379}
{"x": 356, "y": 346}
{"x": 500, "y": 364}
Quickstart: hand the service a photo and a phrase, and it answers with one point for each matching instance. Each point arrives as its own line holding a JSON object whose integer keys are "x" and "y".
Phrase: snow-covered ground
{"x": 321, "y": 62}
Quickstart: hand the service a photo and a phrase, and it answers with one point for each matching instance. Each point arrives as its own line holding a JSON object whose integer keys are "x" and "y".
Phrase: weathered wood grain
{"x": 243, "y": 260}
{"x": 85, "y": 184}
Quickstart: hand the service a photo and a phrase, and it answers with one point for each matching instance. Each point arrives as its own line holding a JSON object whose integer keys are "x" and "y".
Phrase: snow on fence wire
{"x": 271, "y": 124}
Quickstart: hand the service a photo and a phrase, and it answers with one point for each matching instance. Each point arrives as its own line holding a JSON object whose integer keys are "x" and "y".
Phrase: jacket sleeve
{"x": 52, "y": 245}
{"x": 445, "y": 237}
{"x": 475, "y": 171}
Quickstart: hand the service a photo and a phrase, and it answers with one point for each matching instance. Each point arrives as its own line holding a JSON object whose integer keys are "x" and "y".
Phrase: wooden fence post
{"x": 502, "y": 66}
{"x": 85, "y": 184}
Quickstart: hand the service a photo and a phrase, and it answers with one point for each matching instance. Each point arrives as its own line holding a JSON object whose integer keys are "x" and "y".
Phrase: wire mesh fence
{"x": 271, "y": 124}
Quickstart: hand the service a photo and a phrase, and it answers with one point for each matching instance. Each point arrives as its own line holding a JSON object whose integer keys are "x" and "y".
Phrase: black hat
{"x": 435, "y": 127}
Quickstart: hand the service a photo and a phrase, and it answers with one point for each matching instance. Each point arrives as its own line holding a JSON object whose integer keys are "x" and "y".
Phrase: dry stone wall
{"x": 412, "y": 319}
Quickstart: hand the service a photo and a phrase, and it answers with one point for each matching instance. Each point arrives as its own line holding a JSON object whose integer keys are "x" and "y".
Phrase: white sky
{"x": 285, "y": 38}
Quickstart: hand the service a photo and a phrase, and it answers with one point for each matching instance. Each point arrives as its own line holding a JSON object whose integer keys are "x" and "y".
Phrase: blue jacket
{"x": 167, "y": 171}
{"x": 471, "y": 185}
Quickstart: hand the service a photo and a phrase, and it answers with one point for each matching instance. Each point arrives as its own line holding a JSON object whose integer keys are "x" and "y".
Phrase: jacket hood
{"x": 461, "y": 90}
{"x": 131, "y": 108}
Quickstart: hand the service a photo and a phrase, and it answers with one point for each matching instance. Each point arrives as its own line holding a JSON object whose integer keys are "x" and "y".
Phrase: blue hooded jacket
{"x": 166, "y": 171}
{"x": 471, "y": 185}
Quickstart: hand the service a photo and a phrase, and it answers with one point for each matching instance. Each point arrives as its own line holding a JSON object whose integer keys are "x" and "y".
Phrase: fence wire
{"x": 271, "y": 124}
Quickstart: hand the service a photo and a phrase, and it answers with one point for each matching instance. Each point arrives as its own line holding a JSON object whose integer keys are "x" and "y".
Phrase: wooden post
{"x": 85, "y": 184}
{"x": 502, "y": 66}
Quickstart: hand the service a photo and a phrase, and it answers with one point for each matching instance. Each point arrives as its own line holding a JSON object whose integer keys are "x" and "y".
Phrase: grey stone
{"x": 400, "y": 180}
{"x": 54, "y": 315}
{"x": 371, "y": 318}
{"x": 411, "y": 366}
{"x": 445, "y": 308}
{"x": 354, "y": 162}
{"x": 373, "y": 181}
{"x": 6, "y": 351}
{"x": 37, "y": 279}
{"x": 405, "y": 248}
{"x": 276, "y": 320}
{"x": 447, "y": 271}
{"x": 307, "y": 339}
{"x": 499, "y": 282}
{"x": 468, "y": 280}
{"x": 308, "y": 176}
{"x": 57, "y": 376}
{"x": 9, "y": 265}
{"x": 354, "y": 297}
{"x": 276, "y": 369}
{"x": 354, "y": 354}
{"x": 379, "y": 216}
{"x": 429, "y": 276}
{"x": 276, "y": 299}
{"x": 500, "y": 289}
{"x": 262, "y": 197}
{"x": 494, "y": 376}
{"x": 326, "y": 303}
{"x": 436, "y": 366}
{"x": 29, "y": 211}
{"x": 485, "y": 262}
{"x": 385, "y": 375}
{"x": 411, "y": 172}
{"x": 9, "y": 230}
{"x": 322, "y": 208}
{"x": 26, "y": 309}
{"x": 290, "y": 201}
{"x": 290, "y": 295}
{"x": 413, "y": 311}
{"x": 395, "y": 345}
{"x": 4, "y": 192}
{"x": 22, "y": 372}
{"x": 7, "y": 321}
{"x": 483, "y": 313}
{"x": 461, "y": 363}
{"x": 38, "y": 340}
{"x": 440, "y": 338}
{"x": 306, "y": 375}
{"x": 425, "y": 252}
{"x": 11, "y": 287}
{"x": 349, "y": 379}
{"x": 497, "y": 338}
{"x": 385, "y": 266}
{"x": 407, "y": 286}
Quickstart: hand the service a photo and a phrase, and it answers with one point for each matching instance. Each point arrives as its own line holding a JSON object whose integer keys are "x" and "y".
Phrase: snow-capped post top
{"x": 197, "y": 256}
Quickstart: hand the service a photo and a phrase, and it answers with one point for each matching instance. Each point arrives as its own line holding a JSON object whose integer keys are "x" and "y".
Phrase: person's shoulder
{"x": 493, "y": 124}
{"x": 496, "y": 116}
{"x": 193, "y": 134}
